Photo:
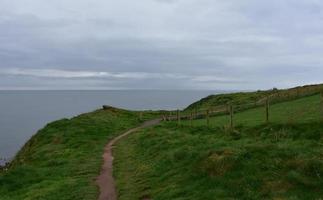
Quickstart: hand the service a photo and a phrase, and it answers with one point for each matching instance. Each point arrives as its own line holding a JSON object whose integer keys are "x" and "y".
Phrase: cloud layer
{"x": 160, "y": 44}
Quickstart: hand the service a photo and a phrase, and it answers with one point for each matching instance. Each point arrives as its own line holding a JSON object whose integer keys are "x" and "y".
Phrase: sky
{"x": 160, "y": 44}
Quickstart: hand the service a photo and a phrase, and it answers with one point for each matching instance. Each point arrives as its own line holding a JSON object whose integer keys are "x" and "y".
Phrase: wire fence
{"x": 226, "y": 113}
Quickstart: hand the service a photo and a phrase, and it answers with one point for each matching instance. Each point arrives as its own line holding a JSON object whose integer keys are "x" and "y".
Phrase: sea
{"x": 22, "y": 113}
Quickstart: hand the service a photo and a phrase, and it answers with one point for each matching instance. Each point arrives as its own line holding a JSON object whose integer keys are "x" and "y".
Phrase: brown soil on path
{"x": 105, "y": 180}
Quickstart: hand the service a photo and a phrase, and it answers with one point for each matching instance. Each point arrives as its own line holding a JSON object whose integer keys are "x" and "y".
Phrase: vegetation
{"x": 255, "y": 98}
{"x": 302, "y": 110}
{"x": 279, "y": 160}
{"x": 264, "y": 162}
{"x": 63, "y": 159}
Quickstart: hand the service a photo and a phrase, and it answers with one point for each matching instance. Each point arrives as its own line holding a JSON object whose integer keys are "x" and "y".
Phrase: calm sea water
{"x": 22, "y": 113}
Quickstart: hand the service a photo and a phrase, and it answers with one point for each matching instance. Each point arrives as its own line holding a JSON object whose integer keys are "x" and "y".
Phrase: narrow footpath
{"x": 105, "y": 180}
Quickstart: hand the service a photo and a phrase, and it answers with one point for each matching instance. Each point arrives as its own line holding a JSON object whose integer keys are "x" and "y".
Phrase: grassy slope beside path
{"x": 63, "y": 159}
{"x": 264, "y": 162}
{"x": 281, "y": 160}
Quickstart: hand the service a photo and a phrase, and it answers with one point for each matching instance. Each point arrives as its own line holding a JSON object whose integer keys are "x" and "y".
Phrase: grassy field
{"x": 257, "y": 97}
{"x": 280, "y": 160}
{"x": 263, "y": 162}
{"x": 302, "y": 110}
{"x": 63, "y": 159}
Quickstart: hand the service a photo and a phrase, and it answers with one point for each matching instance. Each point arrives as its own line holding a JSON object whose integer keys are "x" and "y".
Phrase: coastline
{"x": 67, "y": 154}
{"x": 17, "y": 107}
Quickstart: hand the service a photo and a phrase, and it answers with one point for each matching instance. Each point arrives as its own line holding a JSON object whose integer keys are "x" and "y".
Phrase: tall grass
{"x": 264, "y": 162}
{"x": 63, "y": 159}
{"x": 279, "y": 160}
{"x": 306, "y": 109}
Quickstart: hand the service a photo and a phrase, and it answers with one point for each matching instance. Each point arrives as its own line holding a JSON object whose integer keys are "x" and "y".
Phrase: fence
{"x": 231, "y": 109}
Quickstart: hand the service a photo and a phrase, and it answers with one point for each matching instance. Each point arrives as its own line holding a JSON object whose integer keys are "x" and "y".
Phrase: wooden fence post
{"x": 267, "y": 110}
{"x": 208, "y": 117}
{"x": 231, "y": 116}
{"x": 297, "y": 92}
{"x": 322, "y": 106}
{"x": 140, "y": 116}
{"x": 178, "y": 117}
{"x": 191, "y": 118}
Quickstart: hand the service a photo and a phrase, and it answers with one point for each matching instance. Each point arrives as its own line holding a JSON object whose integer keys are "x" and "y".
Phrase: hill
{"x": 281, "y": 159}
{"x": 276, "y": 161}
{"x": 301, "y": 110}
{"x": 254, "y": 98}
{"x": 254, "y": 159}
{"x": 63, "y": 159}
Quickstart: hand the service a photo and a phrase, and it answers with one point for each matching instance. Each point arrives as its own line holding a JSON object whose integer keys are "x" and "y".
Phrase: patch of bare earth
{"x": 105, "y": 180}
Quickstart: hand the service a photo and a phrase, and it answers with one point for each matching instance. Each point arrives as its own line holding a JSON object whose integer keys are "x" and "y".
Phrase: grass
{"x": 263, "y": 162}
{"x": 279, "y": 160}
{"x": 254, "y": 98}
{"x": 302, "y": 110}
{"x": 63, "y": 159}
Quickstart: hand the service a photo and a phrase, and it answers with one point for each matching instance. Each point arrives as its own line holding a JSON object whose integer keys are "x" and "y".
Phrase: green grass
{"x": 264, "y": 162}
{"x": 306, "y": 109}
{"x": 279, "y": 160}
{"x": 252, "y": 98}
{"x": 63, "y": 159}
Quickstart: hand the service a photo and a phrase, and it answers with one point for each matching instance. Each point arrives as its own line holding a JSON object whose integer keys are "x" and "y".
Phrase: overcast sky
{"x": 160, "y": 44}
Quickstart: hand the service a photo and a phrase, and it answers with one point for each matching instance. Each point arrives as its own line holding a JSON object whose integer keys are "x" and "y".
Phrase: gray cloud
{"x": 173, "y": 44}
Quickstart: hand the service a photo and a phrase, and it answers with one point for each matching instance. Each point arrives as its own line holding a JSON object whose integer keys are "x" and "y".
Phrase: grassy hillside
{"x": 306, "y": 109}
{"x": 63, "y": 159}
{"x": 255, "y": 98}
{"x": 263, "y": 162}
{"x": 279, "y": 160}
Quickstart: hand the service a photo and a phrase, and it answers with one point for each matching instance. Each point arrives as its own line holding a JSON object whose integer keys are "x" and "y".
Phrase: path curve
{"x": 105, "y": 180}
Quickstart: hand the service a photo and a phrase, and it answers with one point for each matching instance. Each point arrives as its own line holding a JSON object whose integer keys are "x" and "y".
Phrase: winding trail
{"x": 105, "y": 180}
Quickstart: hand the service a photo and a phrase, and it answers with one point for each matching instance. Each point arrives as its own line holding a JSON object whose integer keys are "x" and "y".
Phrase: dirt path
{"x": 105, "y": 180}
